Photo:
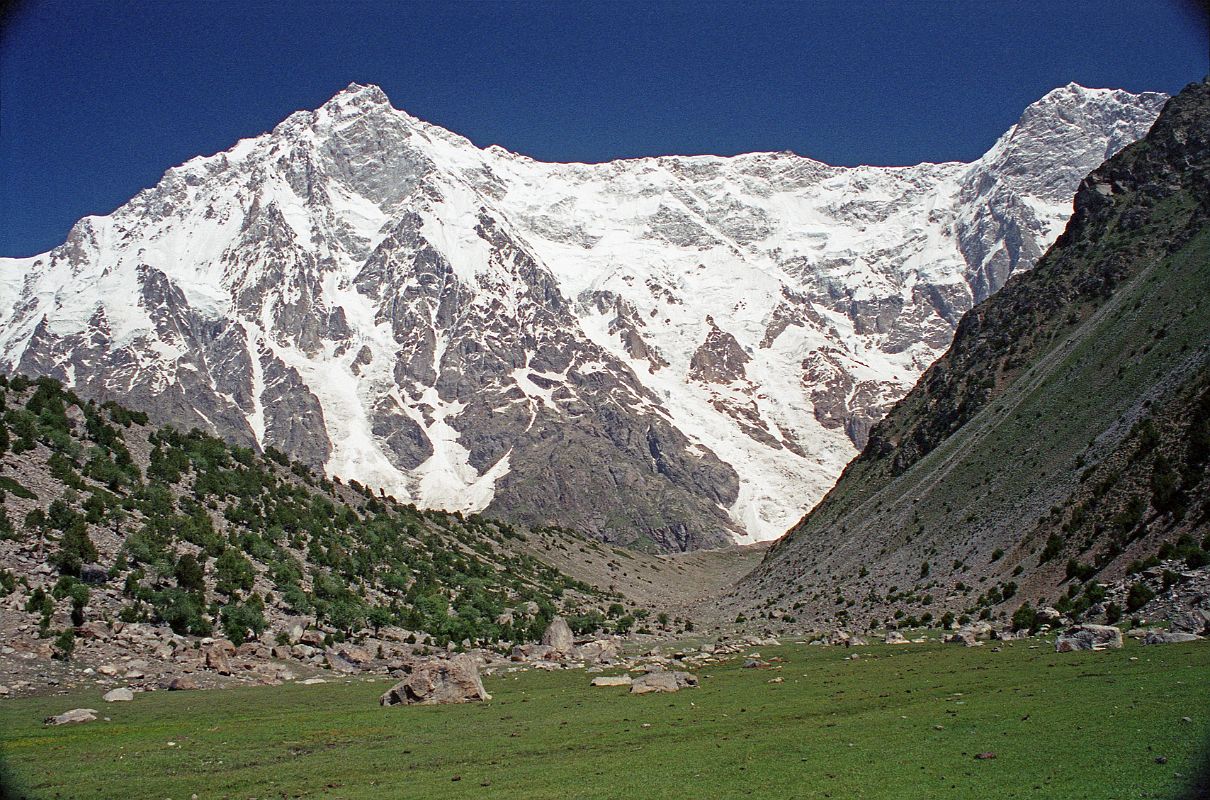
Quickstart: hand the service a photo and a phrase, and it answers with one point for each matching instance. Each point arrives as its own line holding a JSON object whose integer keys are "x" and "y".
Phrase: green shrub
{"x": 75, "y": 548}
{"x": 1025, "y": 618}
{"x": 65, "y": 644}
{"x": 181, "y": 610}
{"x": 233, "y": 572}
{"x": 242, "y": 621}
{"x": 1140, "y": 594}
{"x": 1054, "y": 544}
{"x": 189, "y": 574}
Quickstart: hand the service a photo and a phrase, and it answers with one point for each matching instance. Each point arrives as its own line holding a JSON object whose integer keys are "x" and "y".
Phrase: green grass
{"x": 1078, "y": 725}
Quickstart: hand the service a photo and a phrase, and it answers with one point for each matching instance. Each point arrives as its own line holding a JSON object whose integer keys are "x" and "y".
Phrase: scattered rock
{"x": 439, "y": 681}
{"x": 182, "y": 683}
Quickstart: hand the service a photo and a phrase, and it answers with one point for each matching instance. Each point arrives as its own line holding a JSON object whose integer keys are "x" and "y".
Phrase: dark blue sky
{"x": 97, "y": 98}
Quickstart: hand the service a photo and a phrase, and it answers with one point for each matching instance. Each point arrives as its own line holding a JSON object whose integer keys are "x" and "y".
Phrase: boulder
{"x": 837, "y": 638}
{"x": 337, "y": 663}
{"x": 966, "y": 638}
{"x": 661, "y": 681}
{"x": 1046, "y": 615}
{"x": 94, "y": 574}
{"x": 1196, "y": 622}
{"x": 72, "y": 717}
{"x": 312, "y": 638}
{"x": 600, "y": 651}
{"x": 533, "y": 652}
{"x": 1088, "y": 637}
{"x": 120, "y": 695}
{"x": 895, "y": 637}
{"x": 94, "y": 629}
{"x": 982, "y": 631}
{"x": 302, "y": 651}
{"x": 354, "y": 654}
{"x": 293, "y": 628}
{"x": 437, "y": 682}
{"x": 182, "y": 683}
{"x": 612, "y": 680}
{"x": 1169, "y": 637}
{"x": 216, "y": 659}
{"x": 558, "y": 636}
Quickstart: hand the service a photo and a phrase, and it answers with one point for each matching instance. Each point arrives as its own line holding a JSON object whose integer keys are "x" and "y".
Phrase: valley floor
{"x": 895, "y": 722}
{"x": 678, "y": 583}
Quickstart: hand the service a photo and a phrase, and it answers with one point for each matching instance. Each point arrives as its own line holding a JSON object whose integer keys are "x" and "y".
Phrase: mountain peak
{"x": 360, "y": 95}
{"x": 1075, "y": 93}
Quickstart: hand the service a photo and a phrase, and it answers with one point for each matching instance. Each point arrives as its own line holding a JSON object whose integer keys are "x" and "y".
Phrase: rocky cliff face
{"x": 678, "y": 352}
{"x": 1061, "y": 441}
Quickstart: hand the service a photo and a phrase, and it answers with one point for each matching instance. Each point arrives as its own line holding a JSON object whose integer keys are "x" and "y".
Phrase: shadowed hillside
{"x": 1062, "y": 441}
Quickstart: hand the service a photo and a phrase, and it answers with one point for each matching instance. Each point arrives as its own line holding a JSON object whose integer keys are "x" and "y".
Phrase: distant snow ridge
{"x": 675, "y": 351}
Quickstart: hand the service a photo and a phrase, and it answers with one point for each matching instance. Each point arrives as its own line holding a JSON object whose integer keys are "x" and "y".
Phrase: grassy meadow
{"x": 898, "y": 722}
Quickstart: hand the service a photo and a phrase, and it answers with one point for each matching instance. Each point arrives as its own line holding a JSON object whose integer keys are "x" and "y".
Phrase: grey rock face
{"x": 720, "y": 359}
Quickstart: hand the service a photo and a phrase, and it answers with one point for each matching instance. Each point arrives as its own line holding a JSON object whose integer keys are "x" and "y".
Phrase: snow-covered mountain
{"x": 679, "y": 350}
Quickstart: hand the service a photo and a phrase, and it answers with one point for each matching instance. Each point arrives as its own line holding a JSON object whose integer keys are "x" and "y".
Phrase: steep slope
{"x": 669, "y": 352}
{"x": 1062, "y": 439}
